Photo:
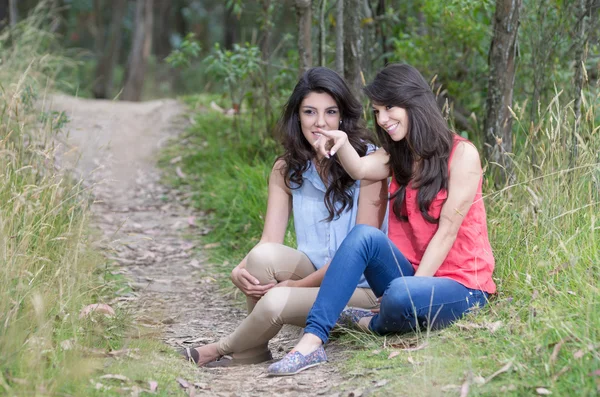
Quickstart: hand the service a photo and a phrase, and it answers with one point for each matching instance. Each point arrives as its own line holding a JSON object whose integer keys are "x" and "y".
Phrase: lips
{"x": 392, "y": 128}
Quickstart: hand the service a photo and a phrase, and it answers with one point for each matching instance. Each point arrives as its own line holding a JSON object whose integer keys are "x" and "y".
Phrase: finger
{"x": 327, "y": 133}
{"x": 260, "y": 288}
{"x": 247, "y": 276}
{"x": 336, "y": 147}
{"x": 375, "y": 310}
{"x": 320, "y": 145}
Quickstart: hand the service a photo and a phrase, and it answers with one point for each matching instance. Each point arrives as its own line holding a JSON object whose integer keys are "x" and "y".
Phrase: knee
{"x": 362, "y": 233}
{"x": 270, "y": 307}
{"x": 399, "y": 302}
{"x": 261, "y": 260}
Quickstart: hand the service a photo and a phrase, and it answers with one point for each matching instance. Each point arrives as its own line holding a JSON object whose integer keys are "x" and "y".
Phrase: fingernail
{"x": 332, "y": 152}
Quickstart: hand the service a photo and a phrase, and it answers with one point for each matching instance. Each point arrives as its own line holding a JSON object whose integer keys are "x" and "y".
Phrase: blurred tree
{"x": 502, "y": 63}
{"x": 339, "y": 37}
{"x": 163, "y": 27}
{"x": 140, "y": 51}
{"x": 4, "y": 14}
{"x": 109, "y": 53}
{"x": 353, "y": 45}
{"x": 230, "y": 24}
{"x": 304, "y": 12}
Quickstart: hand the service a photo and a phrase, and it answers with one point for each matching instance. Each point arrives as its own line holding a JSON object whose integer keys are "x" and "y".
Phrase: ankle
{"x": 308, "y": 344}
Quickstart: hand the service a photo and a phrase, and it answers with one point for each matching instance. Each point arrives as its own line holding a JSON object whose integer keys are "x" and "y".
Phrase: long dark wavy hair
{"x": 299, "y": 153}
{"x": 428, "y": 141}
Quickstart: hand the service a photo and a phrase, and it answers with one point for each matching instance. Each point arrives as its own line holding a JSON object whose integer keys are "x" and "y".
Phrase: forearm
{"x": 313, "y": 279}
{"x": 435, "y": 254}
{"x": 350, "y": 160}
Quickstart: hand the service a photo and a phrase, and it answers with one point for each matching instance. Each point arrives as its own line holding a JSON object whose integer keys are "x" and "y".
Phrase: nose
{"x": 320, "y": 120}
{"x": 382, "y": 118}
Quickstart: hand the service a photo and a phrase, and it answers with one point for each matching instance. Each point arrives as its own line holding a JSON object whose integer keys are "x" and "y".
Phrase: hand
{"x": 287, "y": 283}
{"x": 248, "y": 284}
{"x": 376, "y": 309}
{"x": 330, "y": 142}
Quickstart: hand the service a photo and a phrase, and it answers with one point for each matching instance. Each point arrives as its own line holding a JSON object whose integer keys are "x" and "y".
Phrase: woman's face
{"x": 393, "y": 119}
{"x": 318, "y": 110}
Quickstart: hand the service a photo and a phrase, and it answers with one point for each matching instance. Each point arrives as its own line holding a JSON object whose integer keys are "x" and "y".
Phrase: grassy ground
{"x": 539, "y": 335}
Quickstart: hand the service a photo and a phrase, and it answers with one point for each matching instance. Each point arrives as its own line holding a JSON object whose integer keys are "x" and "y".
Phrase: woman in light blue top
{"x": 281, "y": 283}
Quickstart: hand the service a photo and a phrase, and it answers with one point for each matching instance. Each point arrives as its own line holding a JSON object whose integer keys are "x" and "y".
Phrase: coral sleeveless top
{"x": 470, "y": 260}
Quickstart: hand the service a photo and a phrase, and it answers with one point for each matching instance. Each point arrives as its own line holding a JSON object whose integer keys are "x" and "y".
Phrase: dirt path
{"x": 114, "y": 146}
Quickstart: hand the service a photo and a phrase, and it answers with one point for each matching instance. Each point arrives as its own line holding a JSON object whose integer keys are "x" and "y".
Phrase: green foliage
{"x": 236, "y": 68}
{"x": 188, "y": 50}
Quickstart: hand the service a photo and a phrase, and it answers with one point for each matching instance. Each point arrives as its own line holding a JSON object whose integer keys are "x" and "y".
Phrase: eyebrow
{"x": 312, "y": 107}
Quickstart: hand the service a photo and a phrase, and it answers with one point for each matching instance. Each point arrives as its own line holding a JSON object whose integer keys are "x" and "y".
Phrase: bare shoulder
{"x": 279, "y": 167}
{"x": 466, "y": 157}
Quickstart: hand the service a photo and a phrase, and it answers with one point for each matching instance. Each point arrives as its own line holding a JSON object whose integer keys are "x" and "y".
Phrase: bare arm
{"x": 371, "y": 211}
{"x": 373, "y": 167}
{"x": 279, "y": 206}
{"x": 465, "y": 174}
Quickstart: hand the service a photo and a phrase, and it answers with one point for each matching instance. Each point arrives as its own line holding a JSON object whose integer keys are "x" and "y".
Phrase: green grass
{"x": 543, "y": 326}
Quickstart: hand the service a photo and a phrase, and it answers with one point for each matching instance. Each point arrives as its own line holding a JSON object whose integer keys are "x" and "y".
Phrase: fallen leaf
{"x": 559, "y": 373}
{"x": 508, "y": 388}
{"x": 381, "y": 383}
{"x": 200, "y": 385}
{"x": 464, "y": 389}
{"x": 180, "y": 173}
{"x": 555, "y": 351}
{"x": 375, "y": 352}
{"x": 191, "y": 220}
{"x": 578, "y": 354}
{"x": 97, "y": 307}
{"x": 493, "y": 327}
{"x": 414, "y": 349}
{"x": 175, "y": 160}
{"x": 411, "y": 360}
{"x": 122, "y": 378}
{"x": 450, "y": 387}
{"x": 479, "y": 380}
{"x": 505, "y": 368}
{"x": 356, "y": 393}
{"x": 67, "y": 344}
{"x": 153, "y": 386}
{"x": 543, "y": 391}
{"x": 393, "y": 354}
{"x": 183, "y": 383}
{"x": 211, "y": 245}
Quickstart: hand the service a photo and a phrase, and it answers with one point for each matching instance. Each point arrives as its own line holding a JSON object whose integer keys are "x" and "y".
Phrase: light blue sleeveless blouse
{"x": 316, "y": 237}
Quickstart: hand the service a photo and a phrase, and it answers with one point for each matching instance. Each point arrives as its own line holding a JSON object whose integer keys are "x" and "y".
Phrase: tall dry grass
{"x": 48, "y": 271}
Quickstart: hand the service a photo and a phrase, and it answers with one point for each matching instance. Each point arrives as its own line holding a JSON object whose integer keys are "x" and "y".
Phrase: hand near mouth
{"x": 329, "y": 142}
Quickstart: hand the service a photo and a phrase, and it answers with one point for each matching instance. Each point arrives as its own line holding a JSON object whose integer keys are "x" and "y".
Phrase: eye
{"x": 388, "y": 107}
{"x": 375, "y": 111}
{"x": 308, "y": 111}
{"x": 332, "y": 111}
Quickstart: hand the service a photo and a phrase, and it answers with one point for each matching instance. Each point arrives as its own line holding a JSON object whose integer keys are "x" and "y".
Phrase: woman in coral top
{"x": 436, "y": 262}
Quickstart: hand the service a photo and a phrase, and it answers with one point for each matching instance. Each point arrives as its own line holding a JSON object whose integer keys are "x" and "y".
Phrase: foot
{"x": 354, "y": 317}
{"x": 232, "y": 360}
{"x": 295, "y": 362}
{"x": 201, "y": 355}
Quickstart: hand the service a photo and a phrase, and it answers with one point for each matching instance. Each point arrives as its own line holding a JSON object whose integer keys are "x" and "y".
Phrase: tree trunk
{"x": 162, "y": 29}
{"x": 339, "y": 37}
{"x": 231, "y": 28}
{"x": 353, "y": 46}
{"x": 13, "y": 12}
{"x": 581, "y": 41}
{"x": 304, "y": 12}
{"x": 4, "y": 14}
{"x": 140, "y": 51}
{"x": 322, "y": 33}
{"x": 379, "y": 29}
{"x": 110, "y": 54}
{"x": 502, "y": 58}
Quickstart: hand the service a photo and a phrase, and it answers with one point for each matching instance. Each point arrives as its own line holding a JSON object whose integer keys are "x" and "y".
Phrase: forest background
{"x": 517, "y": 77}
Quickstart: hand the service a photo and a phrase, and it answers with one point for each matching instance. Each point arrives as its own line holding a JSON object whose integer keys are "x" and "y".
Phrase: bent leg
{"x": 279, "y": 306}
{"x": 365, "y": 250}
{"x": 412, "y": 303}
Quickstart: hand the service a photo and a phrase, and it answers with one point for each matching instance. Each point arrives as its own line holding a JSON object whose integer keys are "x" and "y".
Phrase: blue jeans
{"x": 407, "y": 302}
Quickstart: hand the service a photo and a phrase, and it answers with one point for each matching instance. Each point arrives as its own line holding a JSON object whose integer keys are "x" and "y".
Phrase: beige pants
{"x": 271, "y": 263}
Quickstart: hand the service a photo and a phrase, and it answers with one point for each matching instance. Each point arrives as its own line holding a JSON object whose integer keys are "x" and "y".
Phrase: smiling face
{"x": 393, "y": 120}
{"x": 318, "y": 110}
